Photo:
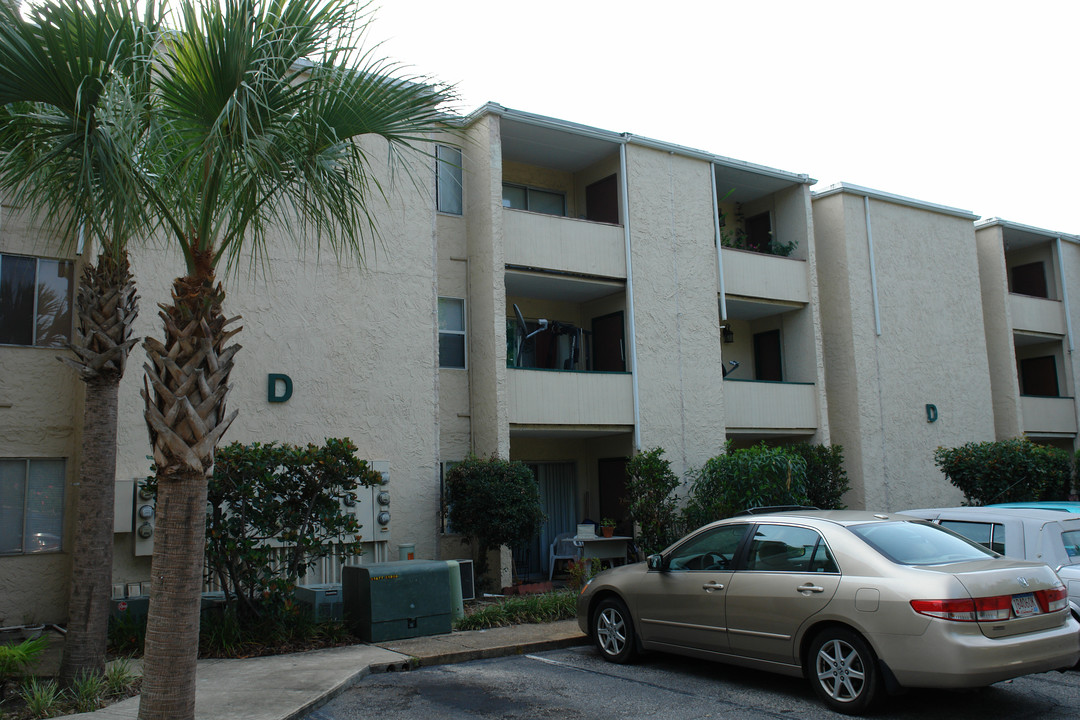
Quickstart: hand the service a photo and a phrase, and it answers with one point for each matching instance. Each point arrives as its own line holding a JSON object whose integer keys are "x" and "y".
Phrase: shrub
{"x": 742, "y": 479}
{"x": 826, "y": 479}
{"x": 16, "y": 659}
{"x": 287, "y": 493}
{"x": 1014, "y": 470}
{"x": 650, "y": 486}
{"x": 547, "y": 607}
{"x": 493, "y": 502}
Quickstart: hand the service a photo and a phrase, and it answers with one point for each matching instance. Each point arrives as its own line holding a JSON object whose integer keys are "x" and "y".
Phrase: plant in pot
{"x": 607, "y": 526}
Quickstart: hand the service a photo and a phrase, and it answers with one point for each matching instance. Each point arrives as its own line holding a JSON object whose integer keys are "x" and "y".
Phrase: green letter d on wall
{"x": 274, "y": 381}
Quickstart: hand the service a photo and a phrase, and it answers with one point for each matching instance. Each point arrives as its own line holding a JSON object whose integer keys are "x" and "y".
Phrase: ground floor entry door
{"x": 558, "y": 498}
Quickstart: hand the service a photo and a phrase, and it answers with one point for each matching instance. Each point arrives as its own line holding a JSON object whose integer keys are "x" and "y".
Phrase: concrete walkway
{"x": 284, "y": 687}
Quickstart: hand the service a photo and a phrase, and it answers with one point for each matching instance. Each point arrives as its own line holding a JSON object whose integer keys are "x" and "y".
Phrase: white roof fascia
{"x": 796, "y": 178}
{"x": 546, "y": 122}
{"x": 842, "y": 187}
{"x": 1049, "y": 234}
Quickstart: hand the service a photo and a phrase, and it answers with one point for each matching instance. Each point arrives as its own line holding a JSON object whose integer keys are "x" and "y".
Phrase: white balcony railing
{"x": 777, "y": 406}
{"x": 566, "y": 397}
{"x": 564, "y": 244}
{"x": 1053, "y": 415}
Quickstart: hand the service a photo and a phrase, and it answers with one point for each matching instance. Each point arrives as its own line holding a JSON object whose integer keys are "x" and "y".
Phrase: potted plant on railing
{"x": 607, "y": 527}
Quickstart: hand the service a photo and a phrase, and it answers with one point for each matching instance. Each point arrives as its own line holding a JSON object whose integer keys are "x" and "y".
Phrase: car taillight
{"x": 1052, "y": 600}
{"x": 987, "y": 609}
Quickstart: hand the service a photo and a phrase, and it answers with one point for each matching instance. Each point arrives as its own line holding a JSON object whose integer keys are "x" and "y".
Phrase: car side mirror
{"x": 655, "y": 562}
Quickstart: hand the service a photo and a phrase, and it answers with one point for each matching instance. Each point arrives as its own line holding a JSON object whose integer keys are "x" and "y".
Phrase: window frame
{"x": 69, "y": 330}
{"x": 463, "y": 333}
{"x": 25, "y": 514}
{"x": 456, "y": 170}
{"x": 532, "y": 188}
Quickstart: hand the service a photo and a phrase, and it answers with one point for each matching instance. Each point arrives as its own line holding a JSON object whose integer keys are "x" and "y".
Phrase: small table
{"x": 596, "y": 547}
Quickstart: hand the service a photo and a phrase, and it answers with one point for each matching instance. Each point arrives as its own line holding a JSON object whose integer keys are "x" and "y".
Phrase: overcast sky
{"x": 967, "y": 104}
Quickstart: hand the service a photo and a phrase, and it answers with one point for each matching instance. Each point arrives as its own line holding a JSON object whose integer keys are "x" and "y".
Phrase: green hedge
{"x": 1014, "y": 470}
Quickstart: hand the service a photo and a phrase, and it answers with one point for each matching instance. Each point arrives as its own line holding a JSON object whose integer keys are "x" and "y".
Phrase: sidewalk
{"x": 285, "y": 687}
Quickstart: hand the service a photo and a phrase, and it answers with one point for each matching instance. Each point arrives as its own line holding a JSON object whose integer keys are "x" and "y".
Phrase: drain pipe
{"x": 719, "y": 245}
{"x": 873, "y": 267}
{"x": 632, "y": 339}
{"x": 1064, "y": 294}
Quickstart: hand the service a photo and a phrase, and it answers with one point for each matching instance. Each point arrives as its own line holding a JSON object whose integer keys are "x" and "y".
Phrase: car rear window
{"x": 1071, "y": 538}
{"x": 916, "y": 543}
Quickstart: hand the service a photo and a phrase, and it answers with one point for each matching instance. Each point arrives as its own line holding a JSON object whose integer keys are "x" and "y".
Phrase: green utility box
{"x": 394, "y": 600}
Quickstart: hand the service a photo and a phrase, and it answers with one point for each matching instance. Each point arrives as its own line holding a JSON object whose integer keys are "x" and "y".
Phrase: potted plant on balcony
{"x": 607, "y": 527}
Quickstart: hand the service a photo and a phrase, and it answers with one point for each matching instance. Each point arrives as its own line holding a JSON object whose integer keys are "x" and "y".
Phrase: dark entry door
{"x": 1038, "y": 376}
{"x": 1029, "y": 279}
{"x": 602, "y": 201}
{"x": 767, "y": 365}
{"x": 613, "y": 501}
{"x": 609, "y": 343}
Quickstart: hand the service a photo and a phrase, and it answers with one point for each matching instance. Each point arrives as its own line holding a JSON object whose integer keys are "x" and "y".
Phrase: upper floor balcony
{"x": 770, "y": 408}
{"x": 550, "y": 242}
{"x": 1037, "y": 315}
{"x": 570, "y": 398}
{"x": 770, "y": 277}
{"x": 1053, "y": 416}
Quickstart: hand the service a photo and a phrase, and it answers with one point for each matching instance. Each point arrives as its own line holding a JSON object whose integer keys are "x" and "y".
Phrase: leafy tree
{"x": 259, "y": 106}
{"x": 493, "y": 502}
{"x": 826, "y": 479}
{"x": 71, "y": 76}
{"x": 1015, "y": 470}
{"x": 264, "y": 493}
{"x": 742, "y": 479}
{"x": 650, "y": 488}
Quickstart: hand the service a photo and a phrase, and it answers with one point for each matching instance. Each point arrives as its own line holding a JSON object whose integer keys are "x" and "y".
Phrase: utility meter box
{"x": 394, "y": 600}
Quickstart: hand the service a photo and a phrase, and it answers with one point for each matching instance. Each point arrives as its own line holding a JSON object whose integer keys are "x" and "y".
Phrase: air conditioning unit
{"x": 468, "y": 581}
{"x": 324, "y": 600}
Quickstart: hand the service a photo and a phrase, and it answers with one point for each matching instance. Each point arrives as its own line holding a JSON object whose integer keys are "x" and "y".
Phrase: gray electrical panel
{"x": 394, "y": 600}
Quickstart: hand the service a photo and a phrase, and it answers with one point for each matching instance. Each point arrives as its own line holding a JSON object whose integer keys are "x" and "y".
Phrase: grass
{"x": 38, "y": 697}
{"x": 548, "y": 607}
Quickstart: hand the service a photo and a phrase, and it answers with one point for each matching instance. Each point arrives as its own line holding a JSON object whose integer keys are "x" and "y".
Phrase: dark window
{"x": 711, "y": 550}
{"x": 989, "y": 535}
{"x": 532, "y": 199}
{"x": 31, "y": 505}
{"x": 451, "y": 333}
{"x": 1038, "y": 376}
{"x": 783, "y": 548}
{"x": 448, "y": 179}
{"x": 1030, "y": 279}
{"x": 35, "y": 301}
{"x": 916, "y": 543}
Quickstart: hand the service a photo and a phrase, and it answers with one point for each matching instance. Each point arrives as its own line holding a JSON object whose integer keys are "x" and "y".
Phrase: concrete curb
{"x": 450, "y": 658}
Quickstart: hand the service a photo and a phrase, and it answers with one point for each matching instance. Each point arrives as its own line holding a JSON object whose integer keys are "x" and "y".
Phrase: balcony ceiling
{"x": 750, "y": 309}
{"x": 1016, "y": 239}
{"x": 564, "y": 288}
{"x": 551, "y": 148}
{"x": 1024, "y": 339}
{"x": 748, "y": 185}
{"x": 567, "y": 432}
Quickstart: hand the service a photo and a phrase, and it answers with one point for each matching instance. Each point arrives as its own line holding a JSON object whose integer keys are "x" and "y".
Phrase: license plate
{"x": 1024, "y": 605}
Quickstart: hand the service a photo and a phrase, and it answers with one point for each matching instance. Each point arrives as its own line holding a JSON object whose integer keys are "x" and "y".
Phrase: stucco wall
{"x": 931, "y": 350}
{"x": 675, "y": 306}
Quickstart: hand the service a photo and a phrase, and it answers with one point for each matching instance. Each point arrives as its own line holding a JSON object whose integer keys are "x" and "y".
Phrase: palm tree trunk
{"x": 106, "y": 306}
{"x": 186, "y": 385}
{"x": 92, "y": 551}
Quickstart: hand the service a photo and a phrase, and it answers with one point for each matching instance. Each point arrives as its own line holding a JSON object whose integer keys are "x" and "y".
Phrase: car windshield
{"x": 1071, "y": 538}
{"x": 916, "y": 543}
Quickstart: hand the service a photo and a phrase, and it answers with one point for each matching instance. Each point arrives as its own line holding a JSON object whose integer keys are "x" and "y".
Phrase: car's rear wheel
{"x": 843, "y": 670}
{"x": 613, "y": 630}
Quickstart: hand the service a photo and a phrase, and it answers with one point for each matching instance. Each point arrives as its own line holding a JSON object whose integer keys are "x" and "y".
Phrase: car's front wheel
{"x": 844, "y": 672}
{"x": 613, "y": 630}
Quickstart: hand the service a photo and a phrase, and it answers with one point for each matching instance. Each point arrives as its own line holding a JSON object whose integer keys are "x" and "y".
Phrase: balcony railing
{"x": 1032, "y": 314}
{"x": 769, "y": 277}
{"x": 776, "y": 406}
{"x": 564, "y": 244}
{"x": 568, "y": 397}
{"x": 1050, "y": 415}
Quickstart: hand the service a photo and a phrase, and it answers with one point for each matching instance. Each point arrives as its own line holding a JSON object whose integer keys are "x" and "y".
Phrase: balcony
{"x": 1054, "y": 416}
{"x": 1037, "y": 315}
{"x": 775, "y": 407}
{"x": 769, "y": 277}
{"x": 566, "y": 397}
{"x": 548, "y": 242}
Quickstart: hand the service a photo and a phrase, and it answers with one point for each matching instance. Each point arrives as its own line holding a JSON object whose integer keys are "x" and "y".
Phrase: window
{"x": 448, "y": 179}
{"x": 713, "y": 550}
{"x": 989, "y": 535}
{"x": 31, "y": 505}
{"x": 452, "y": 333}
{"x": 35, "y": 301}
{"x": 520, "y": 197}
{"x": 783, "y": 548}
{"x": 916, "y": 543}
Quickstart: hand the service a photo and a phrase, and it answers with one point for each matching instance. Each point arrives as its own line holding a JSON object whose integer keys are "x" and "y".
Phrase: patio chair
{"x": 562, "y": 548}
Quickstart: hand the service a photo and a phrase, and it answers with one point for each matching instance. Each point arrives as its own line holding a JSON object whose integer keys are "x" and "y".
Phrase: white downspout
{"x": 631, "y": 340}
{"x": 873, "y": 268}
{"x": 719, "y": 246}
{"x": 1064, "y": 295}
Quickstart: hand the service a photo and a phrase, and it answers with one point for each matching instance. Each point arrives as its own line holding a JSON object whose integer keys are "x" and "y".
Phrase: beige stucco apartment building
{"x": 560, "y": 295}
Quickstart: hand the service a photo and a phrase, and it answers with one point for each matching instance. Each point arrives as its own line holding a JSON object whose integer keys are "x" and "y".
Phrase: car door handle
{"x": 712, "y": 585}
{"x": 810, "y": 587}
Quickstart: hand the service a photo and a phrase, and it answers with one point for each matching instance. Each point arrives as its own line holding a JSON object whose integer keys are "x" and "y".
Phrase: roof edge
{"x": 1009, "y": 225}
{"x": 843, "y": 187}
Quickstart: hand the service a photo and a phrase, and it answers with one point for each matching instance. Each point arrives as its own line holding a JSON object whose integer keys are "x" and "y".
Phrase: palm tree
{"x": 71, "y": 75}
{"x": 259, "y": 109}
